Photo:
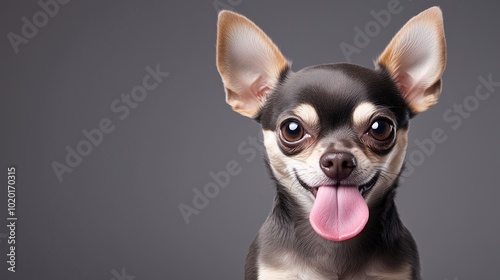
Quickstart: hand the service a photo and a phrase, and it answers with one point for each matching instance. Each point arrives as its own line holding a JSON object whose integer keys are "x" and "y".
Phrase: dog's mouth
{"x": 363, "y": 189}
{"x": 340, "y": 211}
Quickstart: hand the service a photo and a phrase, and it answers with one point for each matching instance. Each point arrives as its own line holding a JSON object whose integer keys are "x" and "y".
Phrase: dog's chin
{"x": 364, "y": 189}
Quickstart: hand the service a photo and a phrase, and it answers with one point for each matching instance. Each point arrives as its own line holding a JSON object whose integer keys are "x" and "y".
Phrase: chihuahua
{"x": 335, "y": 138}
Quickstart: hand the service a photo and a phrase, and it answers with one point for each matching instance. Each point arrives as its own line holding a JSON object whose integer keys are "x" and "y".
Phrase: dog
{"x": 335, "y": 138}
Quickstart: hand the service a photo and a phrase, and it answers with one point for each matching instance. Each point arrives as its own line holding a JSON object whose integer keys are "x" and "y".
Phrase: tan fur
{"x": 283, "y": 167}
{"x": 391, "y": 165}
{"x": 308, "y": 114}
{"x": 377, "y": 271}
{"x": 363, "y": 113}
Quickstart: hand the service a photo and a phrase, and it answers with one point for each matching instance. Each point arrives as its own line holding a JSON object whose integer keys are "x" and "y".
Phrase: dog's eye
{"x": 381, "y": 130}
{"x": 292, "y": 131}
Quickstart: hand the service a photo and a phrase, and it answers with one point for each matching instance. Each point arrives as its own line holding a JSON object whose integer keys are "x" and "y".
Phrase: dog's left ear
{"x": 416, "y": 58}
{"x": 249, "y": 63}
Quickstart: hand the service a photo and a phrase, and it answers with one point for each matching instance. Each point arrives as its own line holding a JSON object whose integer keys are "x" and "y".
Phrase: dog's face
{"x": 335, "y": 134}
{"x": 331, "y": 127}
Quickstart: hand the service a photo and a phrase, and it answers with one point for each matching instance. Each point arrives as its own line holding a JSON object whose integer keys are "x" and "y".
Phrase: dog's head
{"x": 335, "y": 134}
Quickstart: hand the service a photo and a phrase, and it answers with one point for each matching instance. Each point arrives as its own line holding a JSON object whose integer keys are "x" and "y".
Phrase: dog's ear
{"x": 248, "y": 62}
{"x": 416, "y": 58}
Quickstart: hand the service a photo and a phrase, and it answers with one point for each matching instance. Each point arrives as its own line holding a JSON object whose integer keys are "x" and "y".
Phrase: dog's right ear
{"x": 248, "y": 61}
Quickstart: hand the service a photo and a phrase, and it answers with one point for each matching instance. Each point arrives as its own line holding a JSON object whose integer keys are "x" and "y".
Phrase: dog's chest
{"x": 289, "y": 268}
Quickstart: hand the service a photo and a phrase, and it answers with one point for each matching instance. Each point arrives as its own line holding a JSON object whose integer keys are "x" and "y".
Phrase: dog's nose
{"x": 337, "y": 166}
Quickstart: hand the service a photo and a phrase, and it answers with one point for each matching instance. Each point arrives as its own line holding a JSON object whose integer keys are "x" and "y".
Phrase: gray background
{"x": 119, "y": 207}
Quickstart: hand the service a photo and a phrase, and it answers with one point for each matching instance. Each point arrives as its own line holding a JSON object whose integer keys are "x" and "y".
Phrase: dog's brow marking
{"x": 307, "y": 113}
{"x": 363, "y": 112}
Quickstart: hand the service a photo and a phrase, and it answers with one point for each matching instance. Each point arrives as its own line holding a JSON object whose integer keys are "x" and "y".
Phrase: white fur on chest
{"x": 288, "y": 268}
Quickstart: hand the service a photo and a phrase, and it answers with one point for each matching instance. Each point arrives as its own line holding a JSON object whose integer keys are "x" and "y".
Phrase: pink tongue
{"x": 338, "y": 213}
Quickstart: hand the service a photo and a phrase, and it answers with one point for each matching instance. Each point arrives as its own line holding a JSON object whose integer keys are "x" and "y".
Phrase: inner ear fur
{"x": 416, "y": 58}
{"x": 248, "y": 61}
